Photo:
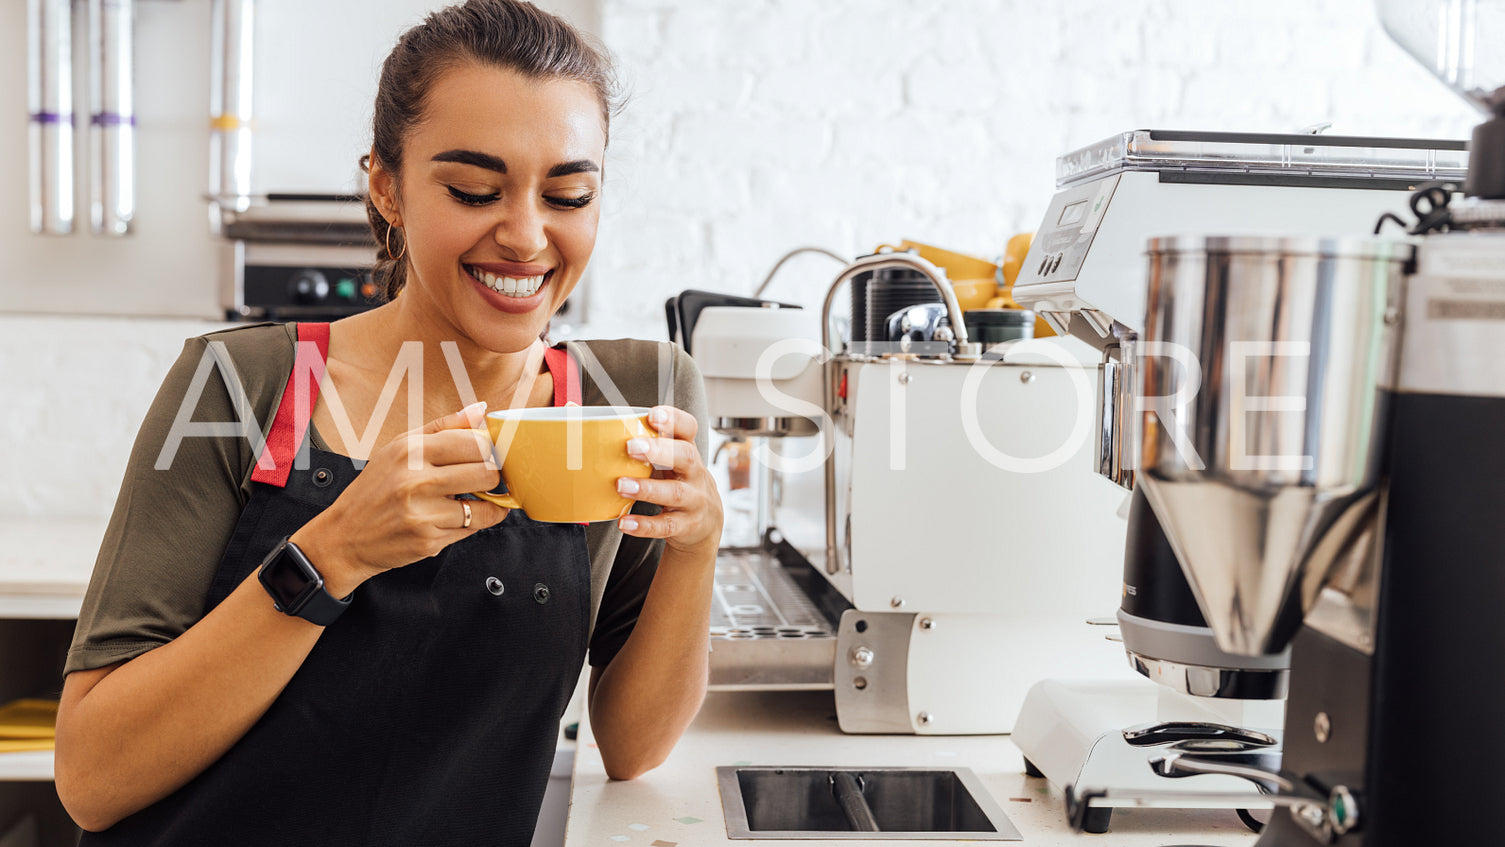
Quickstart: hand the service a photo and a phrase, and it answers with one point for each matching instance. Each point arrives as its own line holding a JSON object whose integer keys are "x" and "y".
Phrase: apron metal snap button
{"x": 540, "y": 593}
{"x": 495, "y": 586}
{"x": 322, "y": 477}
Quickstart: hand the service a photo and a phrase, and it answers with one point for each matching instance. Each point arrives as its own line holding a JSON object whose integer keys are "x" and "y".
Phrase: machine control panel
{"x": 290, "y": 291}
{"x": 1066, "y": 233}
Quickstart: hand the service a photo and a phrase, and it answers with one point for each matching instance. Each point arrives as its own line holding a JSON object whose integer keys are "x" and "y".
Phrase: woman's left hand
{"x": 691, "y": 518}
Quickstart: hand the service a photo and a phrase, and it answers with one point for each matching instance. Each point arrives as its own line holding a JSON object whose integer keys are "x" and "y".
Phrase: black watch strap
{"x": 322, "y": 608}
{"x": 296, "y": 587}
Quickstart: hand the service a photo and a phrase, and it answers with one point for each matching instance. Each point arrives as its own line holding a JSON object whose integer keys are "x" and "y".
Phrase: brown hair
{"x": 509, "y": 34}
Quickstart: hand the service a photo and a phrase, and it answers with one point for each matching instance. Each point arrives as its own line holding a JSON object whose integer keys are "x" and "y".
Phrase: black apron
{"x": 427, "y": 714}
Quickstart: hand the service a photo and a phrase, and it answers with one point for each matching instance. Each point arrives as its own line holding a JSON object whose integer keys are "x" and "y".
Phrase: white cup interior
{"x": 570, "y": 413}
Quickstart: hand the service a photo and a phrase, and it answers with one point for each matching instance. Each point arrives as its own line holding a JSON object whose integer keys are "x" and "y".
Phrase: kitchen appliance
{"x": 1355, "y": 530}
{"x": 1085, "y": 275}
{"x": 299, "y": 258}
{"x": 959, "y": 521}
{"x": 954, "y": 521}
{"x": 772, "y": 619}
{"x": 1350, "y": 529}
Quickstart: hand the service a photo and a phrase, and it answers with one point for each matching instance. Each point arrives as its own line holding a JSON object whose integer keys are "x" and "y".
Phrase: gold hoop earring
{"x": 388, "y": 240}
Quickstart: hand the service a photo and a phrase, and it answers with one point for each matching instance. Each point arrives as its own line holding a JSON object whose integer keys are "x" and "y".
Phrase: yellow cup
{"x": 1013, "y": 256}
{"x": 956, "y": 265}
{"x": 561, "y": 463}
{"x": 974, "y": 293}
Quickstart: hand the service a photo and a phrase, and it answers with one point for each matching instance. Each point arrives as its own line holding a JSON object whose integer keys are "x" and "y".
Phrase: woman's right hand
{"x": 401, "y": 507}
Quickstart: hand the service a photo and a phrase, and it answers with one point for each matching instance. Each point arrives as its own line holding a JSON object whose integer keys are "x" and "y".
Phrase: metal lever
{"x": 1326, "y": 818}
{"x": 1246, "y": 765}
{"x": 1168, "y": 732}
{"x": 853, "y": 805}
{"x": 1117, "y": 422}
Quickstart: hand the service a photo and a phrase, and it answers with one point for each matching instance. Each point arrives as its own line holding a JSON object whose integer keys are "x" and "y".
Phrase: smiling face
{"x": 497, "y": 198}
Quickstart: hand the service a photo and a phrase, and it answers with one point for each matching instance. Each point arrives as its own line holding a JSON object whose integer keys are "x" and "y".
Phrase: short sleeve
{"x": 178, "y": 505}
{"x": 637, "y": 558}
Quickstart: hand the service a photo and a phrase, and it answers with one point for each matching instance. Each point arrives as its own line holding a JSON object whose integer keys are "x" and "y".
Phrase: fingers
{"x": 665, "y": 453}
{"x": 673, "y": 422}
{"x": 450, "y": 514}
{"x": 470, "y": 417}
{"x": 663, "y": 525}
{"x": 669, "y": 493}
{"x": 442, "y": 520}
{"x": 449, "y": 480}
{"x": 452, "y": 447}
{"x": 691, "y": 511}
{"x": 447, "y": 516}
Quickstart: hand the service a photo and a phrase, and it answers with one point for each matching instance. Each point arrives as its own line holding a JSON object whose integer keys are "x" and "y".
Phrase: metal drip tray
{"x": 867, "y": 803}
{"x": 771, "y": 622}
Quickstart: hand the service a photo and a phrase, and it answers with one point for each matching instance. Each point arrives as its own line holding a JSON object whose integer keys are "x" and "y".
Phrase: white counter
{"x": 678, "y": 803}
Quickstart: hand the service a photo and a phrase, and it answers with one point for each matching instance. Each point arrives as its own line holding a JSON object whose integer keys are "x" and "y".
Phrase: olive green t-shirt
{"x": 171, "y": 525}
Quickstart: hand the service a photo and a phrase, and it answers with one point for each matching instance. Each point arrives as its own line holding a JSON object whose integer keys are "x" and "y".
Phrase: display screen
{"x": 289, "y": 584}
{"x": 1073, "y": 213}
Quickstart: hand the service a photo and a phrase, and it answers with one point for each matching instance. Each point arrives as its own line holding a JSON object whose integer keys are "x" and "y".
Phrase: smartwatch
{"x": 296, "y": 587}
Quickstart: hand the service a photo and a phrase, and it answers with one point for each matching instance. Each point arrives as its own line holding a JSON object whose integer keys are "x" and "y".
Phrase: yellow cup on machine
{"x": 972, "y": 279}
{"x": 1008, "y": 272}
{"x": 1013, "y": 257}
{"x": 561, "y": 464}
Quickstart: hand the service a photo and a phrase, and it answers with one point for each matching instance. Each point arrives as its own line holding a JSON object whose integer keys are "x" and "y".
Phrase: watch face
{"x": 289, "y": 580}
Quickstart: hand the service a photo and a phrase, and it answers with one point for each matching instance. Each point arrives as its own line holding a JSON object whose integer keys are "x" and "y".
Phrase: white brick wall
{"x": 759, "y": 125}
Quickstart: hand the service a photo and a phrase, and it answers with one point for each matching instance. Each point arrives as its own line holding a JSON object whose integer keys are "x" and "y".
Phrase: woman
{"x": 415, "y": 698}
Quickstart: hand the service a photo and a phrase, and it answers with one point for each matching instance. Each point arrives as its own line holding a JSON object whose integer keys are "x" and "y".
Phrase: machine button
{"x": 345, "y": 289}
{"x": 309, "y": 287}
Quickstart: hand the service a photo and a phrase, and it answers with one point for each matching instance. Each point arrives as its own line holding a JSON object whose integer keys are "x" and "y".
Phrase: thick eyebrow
{"x": 579, "y": 166}
{"x": 473, "y": 157}
{"x": 493, "y": 163}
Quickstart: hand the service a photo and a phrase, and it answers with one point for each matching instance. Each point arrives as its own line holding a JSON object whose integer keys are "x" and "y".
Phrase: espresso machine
{"x": 1085, "y": 274}
{"x": 1317, "y": 442}
{"x": 943, "y": 505}
{"x": 773, "y": 619}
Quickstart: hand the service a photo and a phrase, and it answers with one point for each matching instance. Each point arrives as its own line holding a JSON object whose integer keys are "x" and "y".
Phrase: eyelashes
{"x": 572, "y": 202}
{"x": 472, "y": 199}
{"x": 486, "y": 199}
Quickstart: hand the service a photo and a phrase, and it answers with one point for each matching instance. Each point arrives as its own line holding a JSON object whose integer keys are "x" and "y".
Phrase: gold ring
{"x": 466, "y": 506}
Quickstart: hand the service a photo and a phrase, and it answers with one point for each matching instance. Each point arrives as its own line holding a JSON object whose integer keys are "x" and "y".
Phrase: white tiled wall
{"x": 74, "y": 391}
{"x": 758, "y": 125}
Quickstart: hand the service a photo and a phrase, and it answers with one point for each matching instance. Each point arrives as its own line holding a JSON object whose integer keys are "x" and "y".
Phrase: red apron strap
{"x": 297, "y": 406}
{"x": 566, "y": 373}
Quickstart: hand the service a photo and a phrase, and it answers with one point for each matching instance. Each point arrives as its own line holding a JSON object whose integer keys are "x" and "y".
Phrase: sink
{"x": 866, "y": 803}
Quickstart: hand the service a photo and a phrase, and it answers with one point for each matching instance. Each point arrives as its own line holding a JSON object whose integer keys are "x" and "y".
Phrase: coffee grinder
{"x": 1085, "y": 275}
{"x": 1319, "y": 448}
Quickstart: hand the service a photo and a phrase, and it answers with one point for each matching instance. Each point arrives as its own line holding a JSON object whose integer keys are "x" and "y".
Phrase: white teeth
{"x": 508, "y": 285}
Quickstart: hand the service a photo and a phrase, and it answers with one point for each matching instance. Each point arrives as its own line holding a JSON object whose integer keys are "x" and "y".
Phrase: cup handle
{"x": 506, "y": 501}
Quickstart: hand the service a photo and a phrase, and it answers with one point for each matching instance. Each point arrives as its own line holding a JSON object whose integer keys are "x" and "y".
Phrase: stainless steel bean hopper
{"x": 1319, "y": 420}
